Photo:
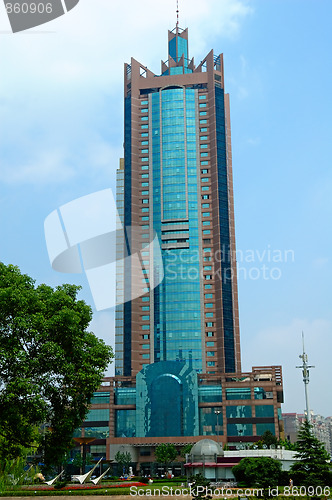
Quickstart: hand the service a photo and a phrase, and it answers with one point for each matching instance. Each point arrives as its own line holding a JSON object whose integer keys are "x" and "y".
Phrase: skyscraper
{"x": 178, "y": 183}
{"x": 178, "y": 371}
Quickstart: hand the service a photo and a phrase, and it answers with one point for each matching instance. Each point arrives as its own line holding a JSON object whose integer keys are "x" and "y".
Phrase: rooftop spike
{"x": 177, "y": 14}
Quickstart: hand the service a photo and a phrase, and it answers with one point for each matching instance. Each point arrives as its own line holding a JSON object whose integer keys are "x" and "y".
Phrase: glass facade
{"x": 125, "y": 396}
{"x": 239, "y": 411}
{"x": 261, "y": 428}
{"x": 238, "y": 393}
{"x": 95, "y": 415}
{"x": 266, "y": 411}
{"x": 177, "y": 324}
{"x": 239, "y": 430}
{"x": 210, "y": 423}
{"x": 125, "y": 423}
{"x": 209, "y": 394}
{"x": 166, "y": 400}
{"x": 100, "y": 398}
{"x": 225, "y": 243}
{"x": 97, "y": 432}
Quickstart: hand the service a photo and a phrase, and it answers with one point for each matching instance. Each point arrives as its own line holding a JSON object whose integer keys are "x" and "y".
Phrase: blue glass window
{"x": 100, "y": 398}
{"x": 98, "y": 415}
{"x": 261, "y": 428}
{"x": 97, "y": 432}
{"x": 209, "y": 394}
{"x": 210, "y": 424}
{"x": 259, "y": 393}
{"x": 125, "y": 395}
{"x": 239, "y": 430}
{"x": 238, "y": 393}
{"x": 239, "y": 411}
{"x": 264, "y": 411}
{"x": 125, "y": 423}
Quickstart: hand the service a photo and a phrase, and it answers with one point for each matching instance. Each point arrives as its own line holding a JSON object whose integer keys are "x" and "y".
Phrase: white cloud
{"x": 46, "y": 167}
{"x": 320, "y": 263}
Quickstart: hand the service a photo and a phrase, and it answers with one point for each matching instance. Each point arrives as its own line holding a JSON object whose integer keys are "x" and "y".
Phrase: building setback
{"x": 178, "y": 363}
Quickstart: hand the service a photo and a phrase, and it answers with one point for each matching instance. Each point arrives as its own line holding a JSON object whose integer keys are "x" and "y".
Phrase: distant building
{"x": 321, "y": 426}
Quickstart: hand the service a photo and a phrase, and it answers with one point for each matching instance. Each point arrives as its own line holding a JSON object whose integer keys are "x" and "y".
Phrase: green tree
{"x": 261, "y": 472}
{"x": 50, "y": 365}
{"x": 166, "y": 454}
{"x": 199, "y": 493}
{"x": 312, "y": 467}
{"x": 124, "y": 460}
{"x": 287, "y": 444}
{"x": 186, "y": 449}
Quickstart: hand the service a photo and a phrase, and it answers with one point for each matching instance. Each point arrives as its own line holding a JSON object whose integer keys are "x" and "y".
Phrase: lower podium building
{"x": 169, "y": 402}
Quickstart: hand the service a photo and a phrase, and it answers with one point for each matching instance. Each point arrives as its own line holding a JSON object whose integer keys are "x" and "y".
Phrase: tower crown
{"x": 178, "y": 53}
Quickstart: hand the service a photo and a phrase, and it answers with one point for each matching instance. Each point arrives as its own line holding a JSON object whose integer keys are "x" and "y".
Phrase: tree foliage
{"x": 124, "y": 460}
{"x": 312, "y": 467}
{"x": 186, "y": 449}
{"x": 50, "y": 365}
{"x": 166, "y": 453}
{"x": 261, "y": 472}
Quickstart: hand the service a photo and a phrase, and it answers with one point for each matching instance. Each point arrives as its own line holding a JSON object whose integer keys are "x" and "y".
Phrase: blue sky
{"x": 61, "y": 134}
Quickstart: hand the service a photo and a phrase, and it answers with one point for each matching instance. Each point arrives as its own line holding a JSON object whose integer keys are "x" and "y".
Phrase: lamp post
{"x": 217, "y": 412}
{"x": 240, "y": 432}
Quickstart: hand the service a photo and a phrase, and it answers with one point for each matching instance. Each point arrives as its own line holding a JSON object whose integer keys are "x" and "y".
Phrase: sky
{"x": 61, "y": 137}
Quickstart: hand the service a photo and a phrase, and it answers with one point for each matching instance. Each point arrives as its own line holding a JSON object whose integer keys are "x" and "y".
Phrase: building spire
{"x": 177, "y": 15}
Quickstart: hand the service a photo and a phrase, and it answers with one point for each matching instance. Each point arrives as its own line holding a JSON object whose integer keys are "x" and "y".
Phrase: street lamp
{"x": 217, "y": 412}
{"x": 240, "y": 432}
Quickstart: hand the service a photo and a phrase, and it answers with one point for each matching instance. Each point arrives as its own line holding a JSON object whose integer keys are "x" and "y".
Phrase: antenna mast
{"x": 305, "y": 371}
{"x": 177, "y": 14}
